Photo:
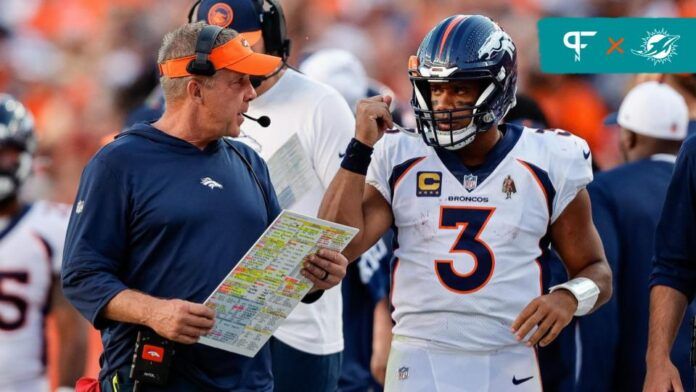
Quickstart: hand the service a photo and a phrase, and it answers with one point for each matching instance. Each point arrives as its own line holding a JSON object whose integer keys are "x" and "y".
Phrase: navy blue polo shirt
{"x": 156, "y": 214}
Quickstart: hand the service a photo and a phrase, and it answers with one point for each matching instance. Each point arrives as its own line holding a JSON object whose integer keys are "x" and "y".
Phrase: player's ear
{"x": 627, "y": 139}
{"x": 632, "y": 139}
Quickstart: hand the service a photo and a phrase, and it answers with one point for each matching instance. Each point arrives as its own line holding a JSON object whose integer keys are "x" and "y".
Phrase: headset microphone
{"x": 263, "y": 121}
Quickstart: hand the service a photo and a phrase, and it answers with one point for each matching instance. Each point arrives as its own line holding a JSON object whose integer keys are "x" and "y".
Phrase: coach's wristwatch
{"x": 584, "y": 290}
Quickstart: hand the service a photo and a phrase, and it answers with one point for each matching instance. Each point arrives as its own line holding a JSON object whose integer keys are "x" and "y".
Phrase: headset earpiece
{"x": 205, "y": 43}
{"x": 273, "y": 27}
{"x": 274, "y": 30}
{"x": 193, "y": 11}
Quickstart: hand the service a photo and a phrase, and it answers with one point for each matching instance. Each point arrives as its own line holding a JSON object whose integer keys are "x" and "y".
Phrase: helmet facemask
{"x": 17, "y": 146}
{"x": 13, "y": 176}
{"x": 440, "y": 128}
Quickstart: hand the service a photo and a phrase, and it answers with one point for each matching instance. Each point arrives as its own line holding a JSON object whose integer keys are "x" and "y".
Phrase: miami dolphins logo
{"x": 658, "y": 47}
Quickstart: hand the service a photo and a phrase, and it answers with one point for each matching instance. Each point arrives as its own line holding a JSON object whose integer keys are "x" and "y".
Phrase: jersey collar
{"x": 15, "y": 219}
{"x": 511, "y": 134}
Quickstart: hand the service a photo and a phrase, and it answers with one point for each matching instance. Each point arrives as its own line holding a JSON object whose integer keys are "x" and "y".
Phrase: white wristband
{"x": 584, "y": 290}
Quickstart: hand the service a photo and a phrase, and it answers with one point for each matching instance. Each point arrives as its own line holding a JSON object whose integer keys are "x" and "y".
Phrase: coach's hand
{"x": 325, "y": 269}
{"x": 662, "y": 376}
{"x": 372, "y": 118}
{"x": 549, "y": 313}
{"x": 181, "y": 321}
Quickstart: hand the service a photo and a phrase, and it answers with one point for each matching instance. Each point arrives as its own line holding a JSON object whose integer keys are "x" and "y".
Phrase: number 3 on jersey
{"x": 471, "y": 222}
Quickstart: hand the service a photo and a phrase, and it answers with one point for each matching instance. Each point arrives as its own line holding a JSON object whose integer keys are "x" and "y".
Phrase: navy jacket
{"x": 675, "y": 253}
{"x": 156, "y": 214}
{"x": 626, "y": 206}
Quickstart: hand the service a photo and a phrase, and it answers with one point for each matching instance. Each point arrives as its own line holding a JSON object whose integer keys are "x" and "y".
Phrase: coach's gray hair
{"x": 181, "y": 43}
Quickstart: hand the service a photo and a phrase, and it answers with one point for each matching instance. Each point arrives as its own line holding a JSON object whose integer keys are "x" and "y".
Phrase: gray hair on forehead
{"x": 181, "y": 43}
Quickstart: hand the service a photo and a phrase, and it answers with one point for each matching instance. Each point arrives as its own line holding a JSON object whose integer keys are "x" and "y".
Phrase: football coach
{"x": 166, "y": 210}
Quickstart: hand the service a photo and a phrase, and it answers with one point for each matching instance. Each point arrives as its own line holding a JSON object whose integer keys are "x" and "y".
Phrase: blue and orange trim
{"x": 452, "y": 24}
{"x": 544, "y": 182}
{"x": 399, "y": 172}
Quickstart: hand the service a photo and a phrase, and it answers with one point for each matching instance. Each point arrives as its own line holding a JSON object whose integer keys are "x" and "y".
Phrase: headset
{"x": 201, "y": 65}
{"x": 273, "y": 27}
{"x": 274, "y": 30}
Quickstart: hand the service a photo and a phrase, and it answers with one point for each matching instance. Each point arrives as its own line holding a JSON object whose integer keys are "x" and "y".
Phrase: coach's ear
{"x": 194, "y": 89}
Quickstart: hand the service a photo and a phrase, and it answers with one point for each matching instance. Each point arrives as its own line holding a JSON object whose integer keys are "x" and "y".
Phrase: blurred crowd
{"x": 81, "y": 65}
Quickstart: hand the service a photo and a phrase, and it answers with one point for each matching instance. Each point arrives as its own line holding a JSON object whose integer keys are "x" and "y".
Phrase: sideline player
{"x": 466, "y": 283}
{"x": 673, "y": 277}
{"x": 31, "y": 246}
{"x": 626, "y": 205}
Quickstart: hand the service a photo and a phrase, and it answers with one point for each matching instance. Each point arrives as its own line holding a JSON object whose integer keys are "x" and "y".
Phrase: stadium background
{"x": 81, "y": 65}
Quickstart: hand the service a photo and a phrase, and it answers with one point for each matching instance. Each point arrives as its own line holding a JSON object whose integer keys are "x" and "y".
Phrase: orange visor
{"x": 235, "y": 55}
{"x": 252, "y": 36}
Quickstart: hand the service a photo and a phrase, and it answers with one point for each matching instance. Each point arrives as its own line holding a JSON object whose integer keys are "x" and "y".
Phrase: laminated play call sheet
{"x": 266, "y": 285}
{"x": 291, "y": 173}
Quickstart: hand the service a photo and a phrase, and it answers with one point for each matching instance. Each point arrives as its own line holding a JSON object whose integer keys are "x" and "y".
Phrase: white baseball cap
{"x": 654, "y": 109}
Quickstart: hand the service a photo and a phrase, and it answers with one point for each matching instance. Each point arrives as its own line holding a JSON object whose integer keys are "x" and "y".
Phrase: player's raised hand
{"x": 372, "y": 118}
{"x": 325, "y": 269}
{"x": 549, "y": 313}
{"x": 181, "y": 321}
{"x": 662, "y": 376}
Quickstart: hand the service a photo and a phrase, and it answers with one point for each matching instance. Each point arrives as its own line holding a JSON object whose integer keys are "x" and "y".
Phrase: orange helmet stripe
{"x": 450, "y": 27}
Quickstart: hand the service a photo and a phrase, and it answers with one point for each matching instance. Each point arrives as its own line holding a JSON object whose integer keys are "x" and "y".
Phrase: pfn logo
{"x": 576, "y": 43}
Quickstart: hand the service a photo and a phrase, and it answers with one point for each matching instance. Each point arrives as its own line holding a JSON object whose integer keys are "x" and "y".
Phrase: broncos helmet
{"x": 463, "y": 47}
{"x": 16, "y": 131}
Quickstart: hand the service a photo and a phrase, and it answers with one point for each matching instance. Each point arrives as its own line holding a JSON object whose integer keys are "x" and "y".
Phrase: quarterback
{"x": 475, "y": 204}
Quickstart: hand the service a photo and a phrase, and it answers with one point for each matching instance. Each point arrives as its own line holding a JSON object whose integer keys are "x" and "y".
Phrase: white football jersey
{"x": 31, "y": 248}
{"x": 469, "y": 241}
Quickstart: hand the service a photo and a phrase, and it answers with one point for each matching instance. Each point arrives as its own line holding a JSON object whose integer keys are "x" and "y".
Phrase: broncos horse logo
{"x": 496, "y": 42}
{"x": 210, "y": 183}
